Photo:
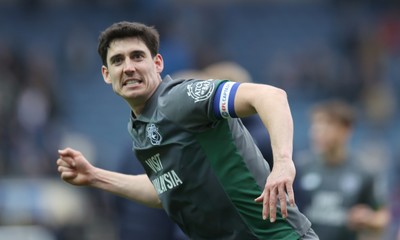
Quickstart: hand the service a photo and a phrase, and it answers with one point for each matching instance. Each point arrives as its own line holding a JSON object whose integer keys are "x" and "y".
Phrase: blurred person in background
{"x": 10, "y": 85}
{"x": 181, "y": 135}
{"x": 334, "y": 190}
{"x": 36, "y": 127}
{"x": 30, "y": 132}
{"x": 29, "y": 111}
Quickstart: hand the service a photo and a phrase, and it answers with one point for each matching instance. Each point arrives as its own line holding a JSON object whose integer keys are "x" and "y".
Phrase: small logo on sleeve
{"x": 200, "y": 91}
{"x": 153, "y": 134}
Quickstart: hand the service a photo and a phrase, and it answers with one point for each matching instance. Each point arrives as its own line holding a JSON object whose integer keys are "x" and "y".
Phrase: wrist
{"x": 283, "y": 158}
{"x": 94, "y": 176}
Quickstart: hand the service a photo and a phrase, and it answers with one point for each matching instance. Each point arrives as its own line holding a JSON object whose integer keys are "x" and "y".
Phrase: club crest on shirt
{"x": 200, "y": 91}
{"x": 153, "y": 134}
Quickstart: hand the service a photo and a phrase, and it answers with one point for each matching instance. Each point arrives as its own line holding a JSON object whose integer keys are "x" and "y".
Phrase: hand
{"x": 74, "y": 168}
{"x": 279, "y": 182}
{"x": 359, "y": 216}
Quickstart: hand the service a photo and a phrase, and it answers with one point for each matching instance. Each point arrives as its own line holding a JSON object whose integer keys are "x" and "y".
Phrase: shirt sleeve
{"x": 224, "y": 100}
{"x": 194, "y": 104}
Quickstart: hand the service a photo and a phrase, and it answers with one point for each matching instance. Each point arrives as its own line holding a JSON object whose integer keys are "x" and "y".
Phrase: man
{"x": 335, "y": 192}
{"x": 202, "y": 166}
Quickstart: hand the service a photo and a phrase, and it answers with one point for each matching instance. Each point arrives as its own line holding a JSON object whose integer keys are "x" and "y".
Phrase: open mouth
{"x": 131, "y": 82}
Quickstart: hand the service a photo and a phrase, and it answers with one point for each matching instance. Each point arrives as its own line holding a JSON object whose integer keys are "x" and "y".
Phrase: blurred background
{"x": 52, "y": 94}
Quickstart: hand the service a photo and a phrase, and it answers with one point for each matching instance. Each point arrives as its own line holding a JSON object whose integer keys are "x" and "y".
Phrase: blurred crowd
{"x": 52, "y": 95}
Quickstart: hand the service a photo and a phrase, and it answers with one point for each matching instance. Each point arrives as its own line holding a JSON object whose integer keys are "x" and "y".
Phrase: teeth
{"x": 131, "y": 82}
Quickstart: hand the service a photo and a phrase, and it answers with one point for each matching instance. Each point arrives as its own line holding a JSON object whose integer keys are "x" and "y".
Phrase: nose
{"x": 129, "y": 66}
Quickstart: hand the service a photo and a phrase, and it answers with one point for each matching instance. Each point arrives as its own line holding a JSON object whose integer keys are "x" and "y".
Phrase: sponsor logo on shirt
{"x": 165, "y": 180}
{"x": 200, "y": 91}
{"x": 153, "y": 134}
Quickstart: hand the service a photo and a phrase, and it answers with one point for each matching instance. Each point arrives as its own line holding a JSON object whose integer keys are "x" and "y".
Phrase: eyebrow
{"x": 112, "y": 58}
{"x": 138, "y": 52}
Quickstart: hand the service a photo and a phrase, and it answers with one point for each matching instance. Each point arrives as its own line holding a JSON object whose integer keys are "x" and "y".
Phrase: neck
{"x": 137, "y": 105}
{"x": 335, "y": 156}
{"x": 137, "y": 111}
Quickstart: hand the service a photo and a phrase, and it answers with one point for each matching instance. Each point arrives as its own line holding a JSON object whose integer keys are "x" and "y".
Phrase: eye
{"x": 117, "y": 60}
{"x": 137, "y": 56}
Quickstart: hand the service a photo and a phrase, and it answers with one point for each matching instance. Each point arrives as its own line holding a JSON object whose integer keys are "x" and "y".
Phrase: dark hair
{"x": 148, "y": 34}
{"x": 337, "y": 110}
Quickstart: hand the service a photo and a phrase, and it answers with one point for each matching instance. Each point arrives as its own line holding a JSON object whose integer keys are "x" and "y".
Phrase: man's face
{"x": 327, "y": 134}
{"x": 133, "y": 73}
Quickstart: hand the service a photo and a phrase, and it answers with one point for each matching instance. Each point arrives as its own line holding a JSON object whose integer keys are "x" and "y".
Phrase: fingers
{"x": 271, "y": 196}
{"x": 282, "y": 200}
{"x": 272, "y": 204}
{"x": 66, "y": 172}
{"x": 62, "y": 169}
{"x": 290, "y": 192}
{"x": 260, "y": 198}
{"x": 266, "y": 201}
{"x": 68, "y": 152}
{"x": 67, "y": 175}
{"x": 66, "y": 161}
{"x": 66, "y": 166}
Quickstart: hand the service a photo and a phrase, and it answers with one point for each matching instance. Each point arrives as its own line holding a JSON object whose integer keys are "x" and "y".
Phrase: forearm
{"x": 363, "y": 217}
{"x": 272, "y": 106}
{"x": 275, "y": 114}
{"x": 137, "y": 188}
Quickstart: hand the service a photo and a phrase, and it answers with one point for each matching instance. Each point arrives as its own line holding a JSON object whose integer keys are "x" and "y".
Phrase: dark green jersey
{"x": 204, "y": 164}
{"x": 329, "y": 192}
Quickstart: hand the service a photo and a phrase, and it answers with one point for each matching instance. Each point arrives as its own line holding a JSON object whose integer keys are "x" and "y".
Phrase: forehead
{"x": 321, "y": 116}
{"x": 326, "y": 119}
{"x": 126, "y": 45}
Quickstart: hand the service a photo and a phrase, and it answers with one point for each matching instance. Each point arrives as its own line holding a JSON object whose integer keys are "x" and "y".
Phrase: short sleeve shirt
{"x": 204, "y": 164}
{"x": 330, "y": 192}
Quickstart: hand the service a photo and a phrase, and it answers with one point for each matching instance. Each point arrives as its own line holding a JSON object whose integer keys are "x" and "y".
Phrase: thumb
{"x": 260, "y": 198}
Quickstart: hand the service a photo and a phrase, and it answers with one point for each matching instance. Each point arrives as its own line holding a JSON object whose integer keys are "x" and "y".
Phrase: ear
{"x": 159, "y": 62}
{"x": 106, "y": 74}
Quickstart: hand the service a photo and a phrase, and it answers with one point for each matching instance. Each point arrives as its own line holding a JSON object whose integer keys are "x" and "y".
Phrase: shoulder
{"x": 181, "y": 92}
{"x": 189, "y": 102}
{"x": 197, "y": 89}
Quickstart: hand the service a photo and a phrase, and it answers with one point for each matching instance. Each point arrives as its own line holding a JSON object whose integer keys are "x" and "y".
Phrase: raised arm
{"x": 272, "y": 105}
{"x": 75, "y": 169}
